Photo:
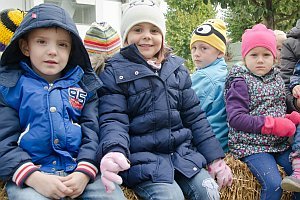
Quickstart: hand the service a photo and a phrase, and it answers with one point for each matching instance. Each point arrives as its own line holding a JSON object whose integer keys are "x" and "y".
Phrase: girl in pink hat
{"x": 256, "y": 111}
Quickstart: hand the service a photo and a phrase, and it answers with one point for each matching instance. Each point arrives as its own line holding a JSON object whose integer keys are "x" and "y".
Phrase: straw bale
{"x": 245, "y": 186}
{"x": 2, "y": 191}
{"x": 129, "y": 194}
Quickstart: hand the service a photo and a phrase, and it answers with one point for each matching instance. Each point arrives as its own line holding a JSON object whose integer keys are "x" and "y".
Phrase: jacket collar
{"x": 72, "y": 77}
{"x": 132, "y": 53}
{"x": 136, "y": 66}
{"x": 9, "y": 76}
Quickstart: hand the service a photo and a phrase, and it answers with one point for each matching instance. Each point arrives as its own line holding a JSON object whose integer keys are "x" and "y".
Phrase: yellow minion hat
{"x": 10, "y": 20}
{"x": 213, "y": 32}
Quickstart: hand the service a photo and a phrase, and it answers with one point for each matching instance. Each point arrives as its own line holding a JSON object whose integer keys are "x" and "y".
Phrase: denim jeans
{"x": 200, "y": 187}
{"x": 264, "y": 167}
{"x": 296, "y": 140}
{"x": 93, "y": 191}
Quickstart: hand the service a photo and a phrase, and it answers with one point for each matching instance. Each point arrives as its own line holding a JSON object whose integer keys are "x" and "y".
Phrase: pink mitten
{"x": 220, "y": 171}
{"x": 294, "y": 117}
{"x": 278, "y": 126}
{"x": 111, "y": 164}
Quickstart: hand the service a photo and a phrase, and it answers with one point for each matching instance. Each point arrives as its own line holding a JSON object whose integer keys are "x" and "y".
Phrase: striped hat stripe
{"x": 91, "y": 51}
{"x": 103, "y": 48}
{"x": 8, "y": 22}
{"x": 102, "y": 43}
{"x": 102, "y": 38}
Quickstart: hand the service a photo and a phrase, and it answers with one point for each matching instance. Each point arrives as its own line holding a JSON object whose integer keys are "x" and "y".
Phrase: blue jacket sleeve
{"x": 113, "y": 117}
{"x": 237, "y": 106}
{"x": 295, "y": 77}
{"x": 11, "y": 155}
{"x": 195, "y": 119}
{"x": 203, "y": 87}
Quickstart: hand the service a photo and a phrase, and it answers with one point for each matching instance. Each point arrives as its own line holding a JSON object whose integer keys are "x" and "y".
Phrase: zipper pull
{"x": 156, "y": 72}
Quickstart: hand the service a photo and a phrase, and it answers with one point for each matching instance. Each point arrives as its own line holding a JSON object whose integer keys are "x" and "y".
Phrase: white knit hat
{"x": 140, "y": 11}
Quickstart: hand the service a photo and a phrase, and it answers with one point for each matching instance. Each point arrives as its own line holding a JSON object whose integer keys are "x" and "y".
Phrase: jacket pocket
{"x": 147, "y": 166}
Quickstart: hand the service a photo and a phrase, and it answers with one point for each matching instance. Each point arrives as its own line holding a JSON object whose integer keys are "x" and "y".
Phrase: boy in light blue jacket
{"x": 208, "y": 46}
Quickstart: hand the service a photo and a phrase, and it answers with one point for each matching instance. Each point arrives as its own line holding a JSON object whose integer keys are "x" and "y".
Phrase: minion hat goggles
{"x": 213, "y": 32}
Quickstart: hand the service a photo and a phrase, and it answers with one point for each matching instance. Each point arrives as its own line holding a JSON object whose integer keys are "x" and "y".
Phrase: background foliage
{"x": 243, "y": 14}
{"x": 182, "y": 18}
{"x": 185, "y": 15}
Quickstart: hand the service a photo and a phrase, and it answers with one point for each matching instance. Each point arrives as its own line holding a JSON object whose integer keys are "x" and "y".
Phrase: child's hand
{"x": 77, "y": 181}
{"x": 50, "y": 186}
{"x": 111, "y": 164}
{"x": 296, "y": 91}
{"x": 279, "y": 126}
{"x": 220, "y": 171}
{"x": 294, "y": 117}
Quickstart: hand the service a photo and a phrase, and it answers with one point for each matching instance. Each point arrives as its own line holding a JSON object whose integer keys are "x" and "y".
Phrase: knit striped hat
{"x": 10, "y": 20}
{"x": 102, "y": 38}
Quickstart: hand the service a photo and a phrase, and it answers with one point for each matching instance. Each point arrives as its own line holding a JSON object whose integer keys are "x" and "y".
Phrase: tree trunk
{"x": 269, "y": 15}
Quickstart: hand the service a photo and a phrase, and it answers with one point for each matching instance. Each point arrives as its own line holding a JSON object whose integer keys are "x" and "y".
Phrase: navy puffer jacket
{"x": 155, "y": 120}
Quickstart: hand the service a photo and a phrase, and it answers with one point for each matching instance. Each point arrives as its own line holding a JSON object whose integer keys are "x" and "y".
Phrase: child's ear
{"x": 23, "y": 45}
{"x": 221, "y": 54}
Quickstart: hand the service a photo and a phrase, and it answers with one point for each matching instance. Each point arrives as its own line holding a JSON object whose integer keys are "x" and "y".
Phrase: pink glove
{"x": 278, "y": 126}
{"x": 294, "y": 117}
{"x": 220, "y": 171}
{"x": 111, "y": 164}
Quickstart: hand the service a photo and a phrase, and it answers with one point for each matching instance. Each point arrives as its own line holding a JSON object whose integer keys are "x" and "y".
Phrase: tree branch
{"x": 256, "y": 3}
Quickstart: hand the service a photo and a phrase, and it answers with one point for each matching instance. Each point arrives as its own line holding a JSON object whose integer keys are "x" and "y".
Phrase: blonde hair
{"x": 280, "y": 38}
{"x": 98, "y": 61}
{"x": 279, "y": 34}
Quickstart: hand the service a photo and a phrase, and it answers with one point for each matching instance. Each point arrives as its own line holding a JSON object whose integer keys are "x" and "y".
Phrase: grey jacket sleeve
{"x": 290, "y": 55}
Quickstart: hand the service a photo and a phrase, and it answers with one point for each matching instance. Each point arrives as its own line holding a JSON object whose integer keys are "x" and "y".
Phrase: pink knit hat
{"x": 258, "y": 36}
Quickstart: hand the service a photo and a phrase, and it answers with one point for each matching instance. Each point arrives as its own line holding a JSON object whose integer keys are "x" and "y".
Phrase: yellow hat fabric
{"x": 10, "y": 20}
{"x": 213, "y": 32}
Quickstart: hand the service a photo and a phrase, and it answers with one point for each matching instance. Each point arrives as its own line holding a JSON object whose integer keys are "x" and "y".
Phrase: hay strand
{"x": 2, "y": 191}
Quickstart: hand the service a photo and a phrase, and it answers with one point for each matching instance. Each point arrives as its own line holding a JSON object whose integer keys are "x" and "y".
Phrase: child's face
{"x": 147, "y": 38}
{"x": 279, "y": 41}
{"x": 49, "y": 50}
{"x": 204, "y": 54}
{"x": 259, "y": 61}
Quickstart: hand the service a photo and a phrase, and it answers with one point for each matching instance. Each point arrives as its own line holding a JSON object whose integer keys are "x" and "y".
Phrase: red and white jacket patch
{"x": 77, "y": 97}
